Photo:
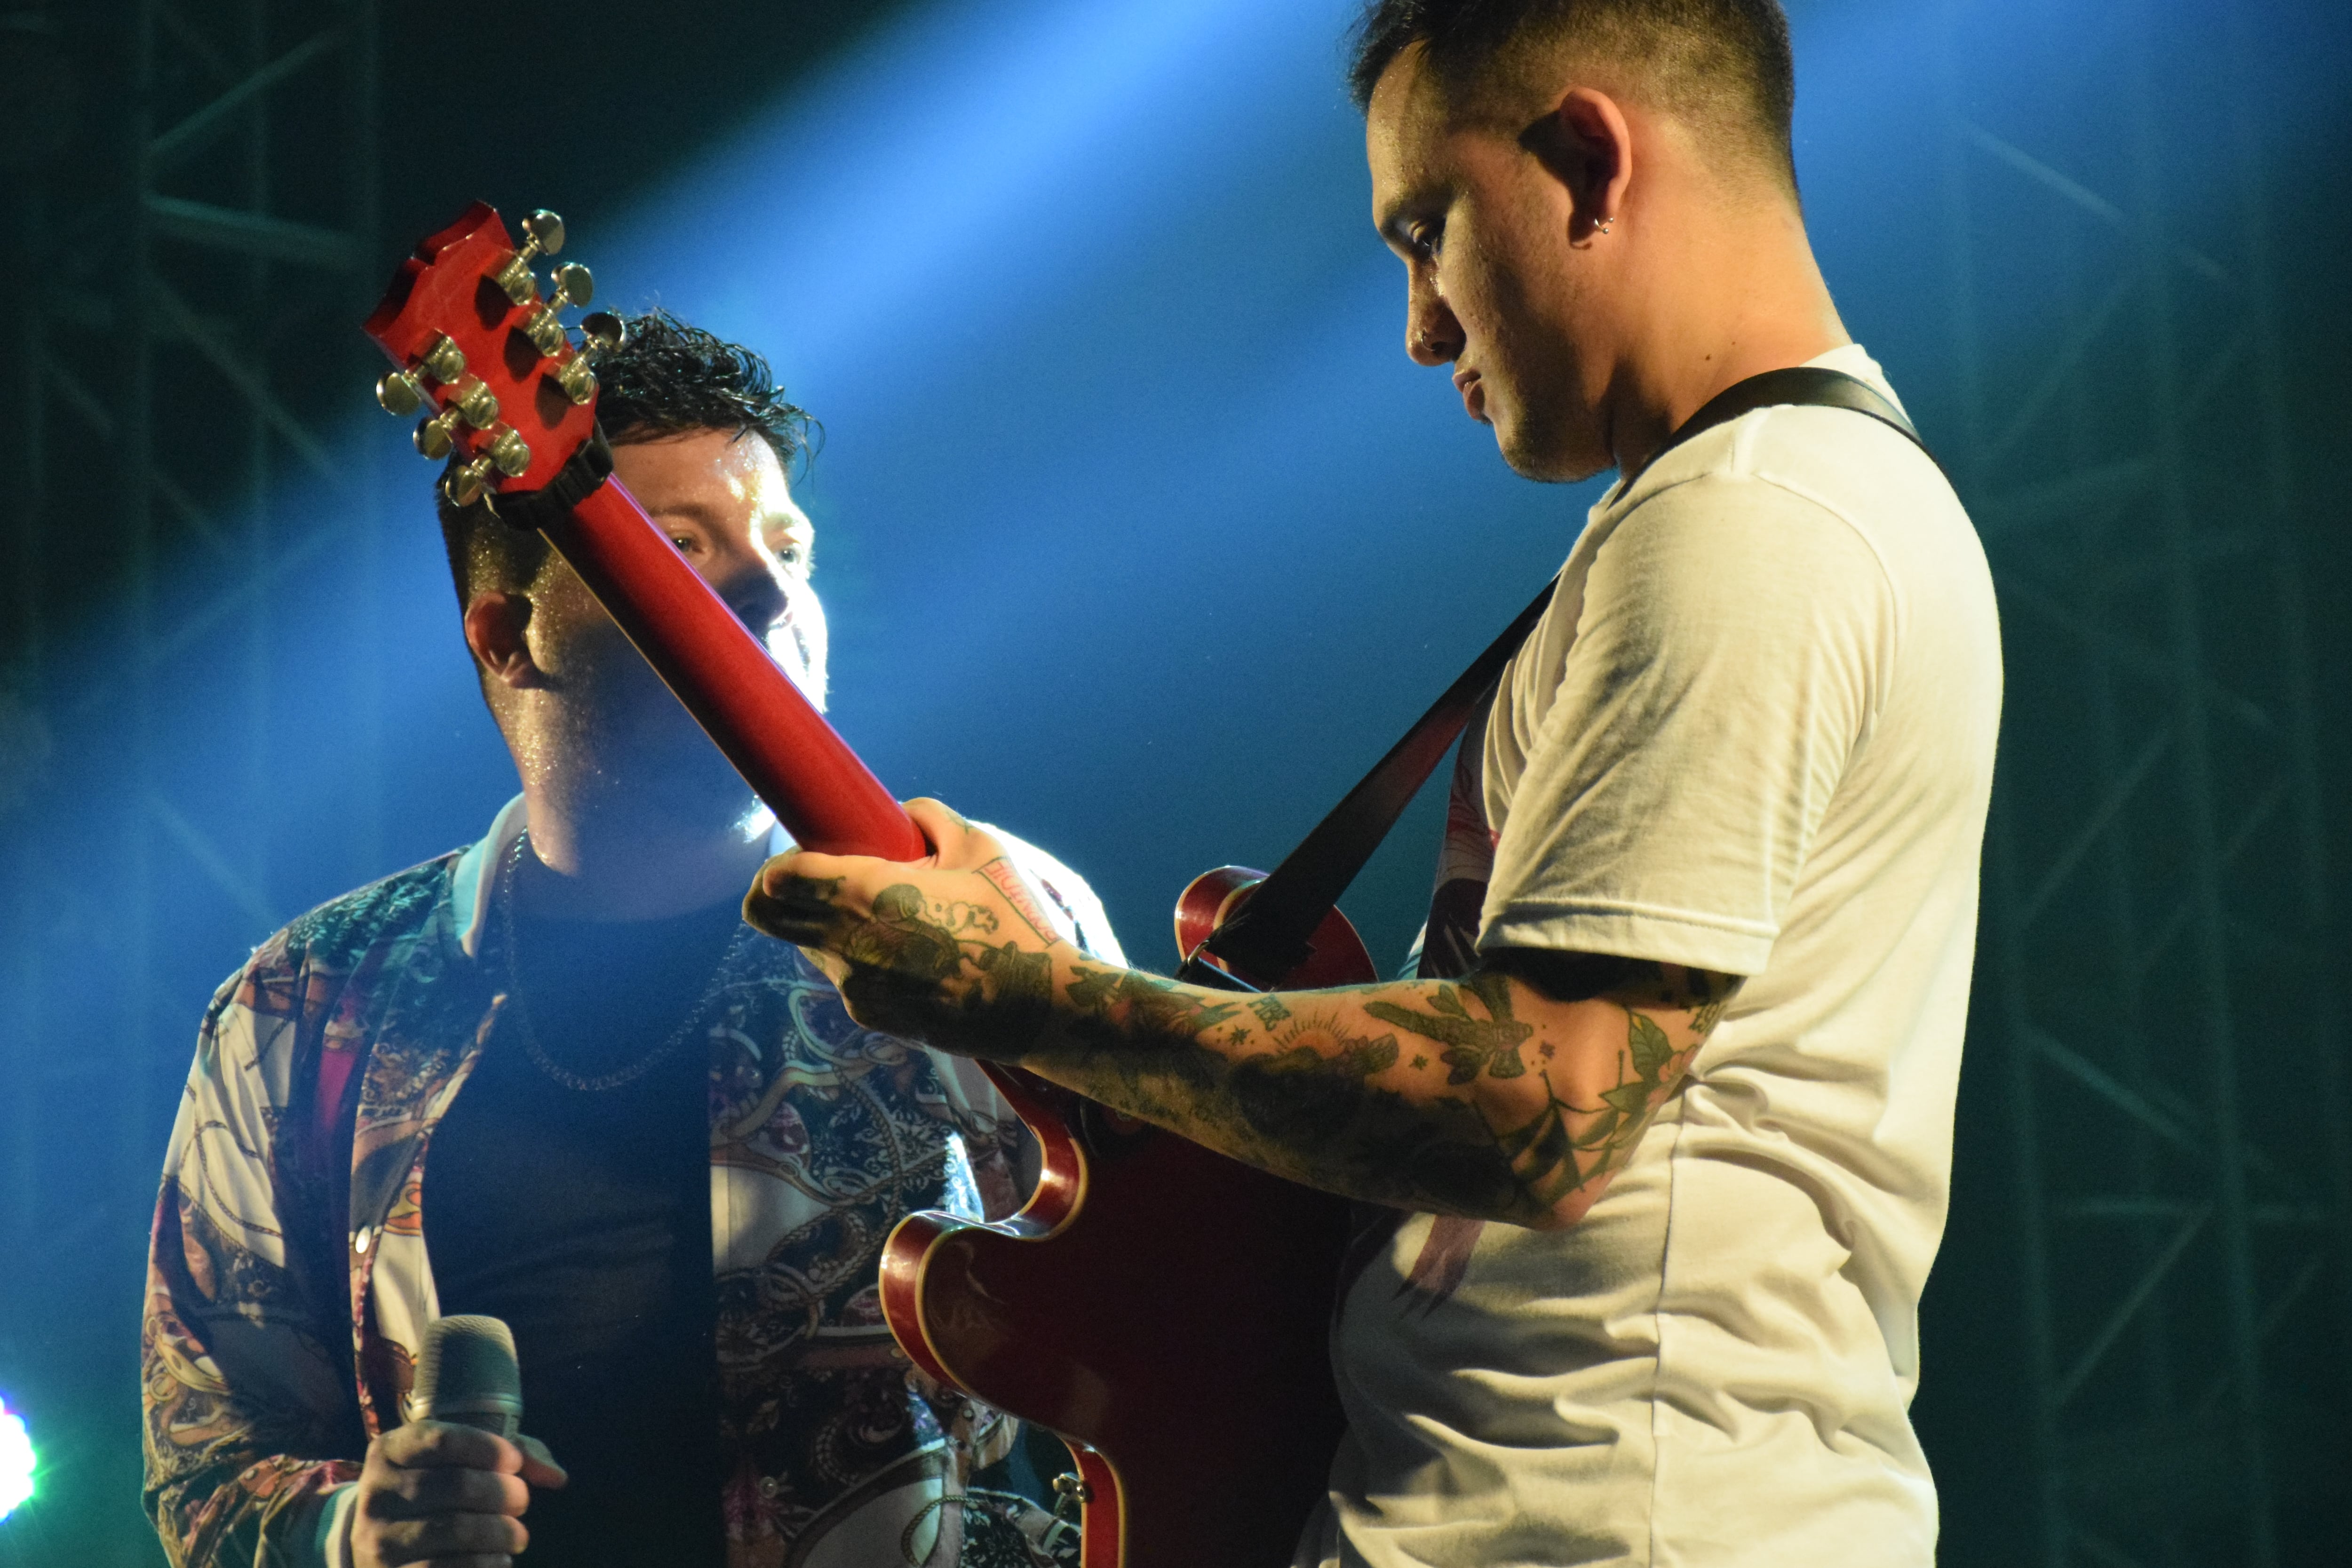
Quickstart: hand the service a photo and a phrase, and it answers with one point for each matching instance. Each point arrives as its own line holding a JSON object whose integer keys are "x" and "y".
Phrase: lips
{"x": 1474, "y": 394}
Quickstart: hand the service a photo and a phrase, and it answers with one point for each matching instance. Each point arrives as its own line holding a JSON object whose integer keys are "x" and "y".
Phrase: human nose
{"x": 1432, "y": 336}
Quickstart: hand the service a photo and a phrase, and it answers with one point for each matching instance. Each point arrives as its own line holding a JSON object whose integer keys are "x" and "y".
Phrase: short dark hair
{"x": 1725, "y": 65}
{"x": 666, "y": 379}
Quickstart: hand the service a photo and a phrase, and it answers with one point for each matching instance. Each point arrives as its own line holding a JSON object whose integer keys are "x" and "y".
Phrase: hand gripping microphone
{"x": 467, "y": 1373}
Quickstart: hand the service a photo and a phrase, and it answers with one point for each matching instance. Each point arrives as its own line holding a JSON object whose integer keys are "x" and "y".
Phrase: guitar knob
{"x": 399, "y": 393}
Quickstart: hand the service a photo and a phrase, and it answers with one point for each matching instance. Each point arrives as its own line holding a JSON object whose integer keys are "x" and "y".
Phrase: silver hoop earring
{"x": 1601, "y": 226}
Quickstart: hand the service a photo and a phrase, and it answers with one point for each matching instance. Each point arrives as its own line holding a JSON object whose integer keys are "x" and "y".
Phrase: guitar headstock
{"x": 484, "y": 357}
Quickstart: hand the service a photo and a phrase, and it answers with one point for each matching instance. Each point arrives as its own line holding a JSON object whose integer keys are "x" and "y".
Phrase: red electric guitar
{"x": 1161, "y": 1308}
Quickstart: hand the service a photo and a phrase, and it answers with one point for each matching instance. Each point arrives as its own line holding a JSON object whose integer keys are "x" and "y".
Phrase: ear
{"x": 495, "y": 625}
{"x": 1587, "y": 147}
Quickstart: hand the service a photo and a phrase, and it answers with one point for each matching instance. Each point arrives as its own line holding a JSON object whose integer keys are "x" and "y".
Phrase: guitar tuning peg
{"x": 465, "y": 485}
{"x": 544, "y": 328}
{"x": 574, "y": 285}
{"x": 605, "y": 331}
{"x": 399, "y": 393}
{"x": 542, "y": 236}
{"x": 509, "y": 452}
{"x": 433, "y": 435}
{"x": 579, "y": 382}
{"x": 476, "y": 403}
{"x": 515, "y": 277}
{"x": 444, "y": 362}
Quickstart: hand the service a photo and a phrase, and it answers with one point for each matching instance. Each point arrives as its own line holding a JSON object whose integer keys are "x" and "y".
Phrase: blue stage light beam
{"x": 1125, "y": 466}
{"x": 1139, "y": 532}
{"x": 1141, "y": 535}
{"x": 1109, "y": 358}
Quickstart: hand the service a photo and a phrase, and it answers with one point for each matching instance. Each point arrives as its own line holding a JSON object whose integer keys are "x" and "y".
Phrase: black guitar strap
{"x": 1269, "y": 936}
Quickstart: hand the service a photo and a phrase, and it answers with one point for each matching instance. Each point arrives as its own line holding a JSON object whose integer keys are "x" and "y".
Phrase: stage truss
{"x": 2162, "y": 936}
{"x": 2161, "y": 951}
{"x": 190, "y": 235}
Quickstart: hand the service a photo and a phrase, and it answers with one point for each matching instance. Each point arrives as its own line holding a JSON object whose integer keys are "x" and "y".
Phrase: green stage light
{"x": 15, "y": 1460}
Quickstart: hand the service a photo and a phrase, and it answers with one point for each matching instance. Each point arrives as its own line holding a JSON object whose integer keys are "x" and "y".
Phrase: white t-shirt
{"x": 1753, "y": 734}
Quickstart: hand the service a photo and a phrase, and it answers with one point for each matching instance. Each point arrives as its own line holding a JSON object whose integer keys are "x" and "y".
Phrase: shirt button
{"x": 768, "y": 1487}
{"x": 360, "y": 1242}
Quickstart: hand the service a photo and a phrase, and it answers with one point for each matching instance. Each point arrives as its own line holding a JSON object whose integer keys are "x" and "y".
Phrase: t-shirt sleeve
{"x": 1725, "y": 665}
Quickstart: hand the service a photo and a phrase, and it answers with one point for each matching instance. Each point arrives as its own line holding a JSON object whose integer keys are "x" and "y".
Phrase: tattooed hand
{"x": 953, "y": 951}
{"x": 1514, "y": 1093}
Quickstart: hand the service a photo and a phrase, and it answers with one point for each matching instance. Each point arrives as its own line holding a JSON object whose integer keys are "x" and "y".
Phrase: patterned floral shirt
{"x": 288, "y": 1286}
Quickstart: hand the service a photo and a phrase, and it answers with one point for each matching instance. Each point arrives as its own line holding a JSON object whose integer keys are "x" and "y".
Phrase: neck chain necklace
{"x": 537, "y": 1053}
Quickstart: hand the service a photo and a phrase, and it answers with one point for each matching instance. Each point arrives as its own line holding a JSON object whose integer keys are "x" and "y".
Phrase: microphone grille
{"x": 466, "y": 1372}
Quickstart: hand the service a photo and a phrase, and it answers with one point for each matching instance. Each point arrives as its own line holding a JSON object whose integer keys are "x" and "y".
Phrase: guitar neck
{"x": 825, "y": 797}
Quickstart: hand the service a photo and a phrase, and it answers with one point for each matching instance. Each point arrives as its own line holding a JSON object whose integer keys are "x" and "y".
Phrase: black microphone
{"x": 467, "y": 1373}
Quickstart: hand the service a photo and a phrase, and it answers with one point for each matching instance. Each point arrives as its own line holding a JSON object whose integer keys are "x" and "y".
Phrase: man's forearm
{"x": 1514, "y": 1093}
{"x": 1482, "y": 1097}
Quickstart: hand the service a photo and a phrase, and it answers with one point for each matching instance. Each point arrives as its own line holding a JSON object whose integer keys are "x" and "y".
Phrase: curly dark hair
{"x": 1724, "y": 64}
{"x": 669, "y": 378}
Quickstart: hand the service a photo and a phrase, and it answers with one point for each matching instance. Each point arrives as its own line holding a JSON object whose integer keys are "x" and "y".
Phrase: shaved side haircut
{"x": 1723, "y": 66}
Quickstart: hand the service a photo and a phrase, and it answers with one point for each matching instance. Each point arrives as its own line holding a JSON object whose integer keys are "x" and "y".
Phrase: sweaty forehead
{"x": 717, "y": 474}
{"x": 698, "y": 466}
{"x": 754, "y": 476}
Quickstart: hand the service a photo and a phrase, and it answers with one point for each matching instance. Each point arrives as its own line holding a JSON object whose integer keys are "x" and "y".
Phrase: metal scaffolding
{"x": 189, "y": 200}
{"x": 2160, "y": 931}
{"x": 190, "y": 239}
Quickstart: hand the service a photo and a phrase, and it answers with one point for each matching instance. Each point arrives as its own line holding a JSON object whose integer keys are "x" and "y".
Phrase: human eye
{"x": 788, "y": 543}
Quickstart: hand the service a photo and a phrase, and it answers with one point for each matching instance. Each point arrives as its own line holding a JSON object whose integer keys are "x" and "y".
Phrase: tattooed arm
{"x": 1513, "y": 1093}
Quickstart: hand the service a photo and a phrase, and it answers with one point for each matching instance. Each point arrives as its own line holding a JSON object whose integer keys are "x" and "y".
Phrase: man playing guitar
{"x": 1664, "y": 1166}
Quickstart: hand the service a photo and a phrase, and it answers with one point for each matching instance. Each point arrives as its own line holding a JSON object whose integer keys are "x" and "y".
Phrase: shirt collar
{"x": 476, "y": 881}
{"x": 1851, "y": 358}
{"x": 477, "y": 878}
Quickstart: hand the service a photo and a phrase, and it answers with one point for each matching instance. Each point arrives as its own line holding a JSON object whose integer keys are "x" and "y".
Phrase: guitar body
{"x": 1164, "y": 1309}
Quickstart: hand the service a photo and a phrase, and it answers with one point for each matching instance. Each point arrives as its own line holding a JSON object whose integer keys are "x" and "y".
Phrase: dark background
{"x": 1141, "y": 538}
